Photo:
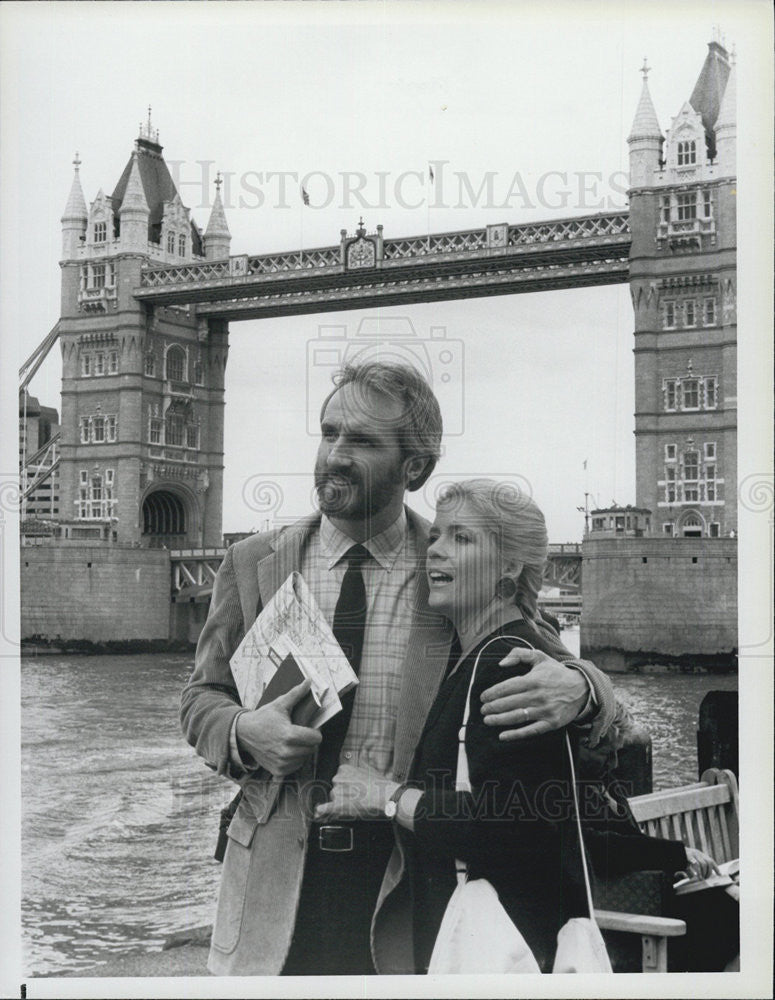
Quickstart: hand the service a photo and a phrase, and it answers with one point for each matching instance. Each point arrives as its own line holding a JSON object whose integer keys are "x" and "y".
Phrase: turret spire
{"x": 217, "y": 238}
{"x": 646, "y": 123}
{"x": 134, "y": 196}
{"x": 75, "y": 210}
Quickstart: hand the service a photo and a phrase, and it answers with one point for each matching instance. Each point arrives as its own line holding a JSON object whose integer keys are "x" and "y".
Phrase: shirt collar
{"x": 384, "y": 547}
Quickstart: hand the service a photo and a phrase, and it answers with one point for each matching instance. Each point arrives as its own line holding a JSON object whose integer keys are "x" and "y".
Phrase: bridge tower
{"x": 142, "y": 386}
{"x": 683, "y": 287}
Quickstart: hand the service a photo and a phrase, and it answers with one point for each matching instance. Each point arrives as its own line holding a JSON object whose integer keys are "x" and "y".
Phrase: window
{"x": 692, "y": 527}
{"x": 150, "y": 365}
{"x": 100, "y": 232}
{"x": 181, "y": 246}
{"x": 176, "y": 364}
{"x": 154, "y": 431}
{"x": 98, "y": 429}
{"x": 110, "y": 275}
{"x": 669, "y": 452}
{"x": 713, "y": 529}
{"x": 84, "y": 478}
{"x": 687, "y": 207}
{"x": 192, "y": 436}
{"x": 110, "y": 427}
{"x": 175, "y": 430}
{"x": 687, "y": 153}
{"x": 98, "y": 276}
{"x": 113, "y": 363}
{"x": 707, "y": 204}
{"x": 670, "y": 315}
{"x": 709, "y": 312}
{"x": 691, "y": 476}
{"x": 96, "y": 496}
{"x": 711, "y": 394}
{"x": 84, "y": 430}
{"x": 86, "y": 364}
{"x": 671, "y": 400}
{"x": 664, "y": 209}
{"x": 99, "y": 364}
{"x": 199, "y": 373}
{"x": 690, "y": 312}
{"x": 670, "y": 485}
{"x": 170, "y": 243}
{"x": 598, "y": 523}
{"x": 691, "y": 393}
{"x": 667, "y": 527}
{"x": 709, "y": 449}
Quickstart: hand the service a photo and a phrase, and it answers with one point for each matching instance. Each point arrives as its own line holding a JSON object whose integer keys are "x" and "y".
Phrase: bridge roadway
{"x": 193, "y": 572}
{"x": 367, "y": 270}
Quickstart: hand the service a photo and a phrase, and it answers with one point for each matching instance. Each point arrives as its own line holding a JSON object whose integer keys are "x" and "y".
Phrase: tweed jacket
{"x": 267, "y": 837}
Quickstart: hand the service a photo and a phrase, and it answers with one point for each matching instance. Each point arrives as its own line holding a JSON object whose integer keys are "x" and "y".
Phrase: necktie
{"x": 348, "y": 628}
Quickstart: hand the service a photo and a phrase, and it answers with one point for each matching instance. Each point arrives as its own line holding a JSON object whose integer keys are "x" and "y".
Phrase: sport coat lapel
{"x": 285, "y": 557}
{"x": 426, "y": 659}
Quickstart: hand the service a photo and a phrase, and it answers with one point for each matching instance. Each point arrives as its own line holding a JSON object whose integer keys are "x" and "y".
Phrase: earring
{"x": 506, "y": 588}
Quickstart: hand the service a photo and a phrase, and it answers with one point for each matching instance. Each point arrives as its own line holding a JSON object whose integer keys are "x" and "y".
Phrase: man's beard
{"x": 347, "y": 497}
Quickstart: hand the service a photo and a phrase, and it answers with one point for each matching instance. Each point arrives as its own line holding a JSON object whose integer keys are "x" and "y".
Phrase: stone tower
{"x": 142, "y": 389}
{"x": 683, "y": 287}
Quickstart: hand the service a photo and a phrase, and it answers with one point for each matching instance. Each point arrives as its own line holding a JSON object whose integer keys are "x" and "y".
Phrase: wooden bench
{"x": 703, "y": 815}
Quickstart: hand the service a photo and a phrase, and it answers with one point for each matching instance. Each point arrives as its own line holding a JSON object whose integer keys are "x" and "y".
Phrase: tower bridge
{"x": 148, "y": 296}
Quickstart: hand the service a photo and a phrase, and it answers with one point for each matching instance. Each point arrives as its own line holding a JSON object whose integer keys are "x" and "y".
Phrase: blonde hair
{"x": 519, "y": 528}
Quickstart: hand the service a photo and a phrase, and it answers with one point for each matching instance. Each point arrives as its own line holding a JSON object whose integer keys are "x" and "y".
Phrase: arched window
{"x": 170, "y": 243}
{"x": 176, "y": 364}
{"x": 692, "y": 525}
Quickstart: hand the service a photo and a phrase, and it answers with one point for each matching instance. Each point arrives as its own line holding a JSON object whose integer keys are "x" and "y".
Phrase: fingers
{"x": 524, "y": 732}
{"x": 518, "y": 655}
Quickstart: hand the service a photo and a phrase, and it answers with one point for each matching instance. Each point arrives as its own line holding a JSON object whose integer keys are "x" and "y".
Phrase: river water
{"x": 120, "y": 816}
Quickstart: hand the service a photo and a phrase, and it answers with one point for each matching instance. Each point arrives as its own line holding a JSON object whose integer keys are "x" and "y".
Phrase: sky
{"x": 539, "y": 99}
{"x": 544, "y": 92}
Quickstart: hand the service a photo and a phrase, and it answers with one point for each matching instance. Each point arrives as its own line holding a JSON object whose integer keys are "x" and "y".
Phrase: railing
{"x": 154, "y": 277}
{"x": 300, "y": 260}
{"x": 599, "y": 229}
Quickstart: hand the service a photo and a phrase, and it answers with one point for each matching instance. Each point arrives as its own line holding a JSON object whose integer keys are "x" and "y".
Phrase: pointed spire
{"x": 75, "y": 209}
{"x": 727, "y": 115}
{"x": 646, "y": 124}
{"x": 134, "y": 196}
{"x": 217, "y": 224}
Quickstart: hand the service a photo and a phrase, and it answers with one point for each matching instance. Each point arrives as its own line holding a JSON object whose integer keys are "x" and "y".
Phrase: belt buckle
{"x": 330, "y": 839}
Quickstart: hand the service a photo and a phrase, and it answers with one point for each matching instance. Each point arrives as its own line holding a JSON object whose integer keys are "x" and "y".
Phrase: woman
{"x": 486, "y": 553}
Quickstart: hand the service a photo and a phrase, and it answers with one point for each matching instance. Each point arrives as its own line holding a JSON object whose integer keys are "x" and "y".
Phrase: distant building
{"x": 611, "y": 522}
{"x": 38, "y": 473}
{"x": 683, "y": 286}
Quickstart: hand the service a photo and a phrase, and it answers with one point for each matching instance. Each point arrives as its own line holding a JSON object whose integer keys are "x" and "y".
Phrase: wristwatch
{"x": 391, "y": 806}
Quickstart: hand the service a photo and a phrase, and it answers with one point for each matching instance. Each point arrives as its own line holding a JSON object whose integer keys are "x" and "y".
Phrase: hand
{"x": 699, "y": 865}
{"x": 271, "y": 738}
{"x": 357, "y": 793}
{"x": 549, "y": 697}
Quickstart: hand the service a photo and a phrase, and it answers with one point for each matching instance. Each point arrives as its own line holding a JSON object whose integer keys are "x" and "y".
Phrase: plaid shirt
{"x": 389, "y": 579}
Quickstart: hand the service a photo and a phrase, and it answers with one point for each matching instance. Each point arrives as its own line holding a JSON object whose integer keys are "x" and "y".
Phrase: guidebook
{"x": 291, "y": 641}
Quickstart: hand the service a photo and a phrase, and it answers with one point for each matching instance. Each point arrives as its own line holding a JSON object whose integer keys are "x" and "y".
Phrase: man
{"x": 297, "y": 897}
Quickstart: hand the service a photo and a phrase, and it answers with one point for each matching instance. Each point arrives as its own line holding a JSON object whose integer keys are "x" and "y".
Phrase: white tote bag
{"x": 478, "y": 936}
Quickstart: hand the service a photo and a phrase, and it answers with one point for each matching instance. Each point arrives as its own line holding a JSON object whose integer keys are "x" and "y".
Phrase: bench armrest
{"x": 635, "y": 923}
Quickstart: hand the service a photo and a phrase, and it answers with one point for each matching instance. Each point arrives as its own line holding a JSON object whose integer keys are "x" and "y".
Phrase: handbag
{"x": 477, "y": 935}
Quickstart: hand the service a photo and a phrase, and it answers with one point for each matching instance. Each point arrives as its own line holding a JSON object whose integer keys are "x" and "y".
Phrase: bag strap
{"x": 463, "y": 778}
{"x": 587, "y": 885}
{"x": 462, "y": 775}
